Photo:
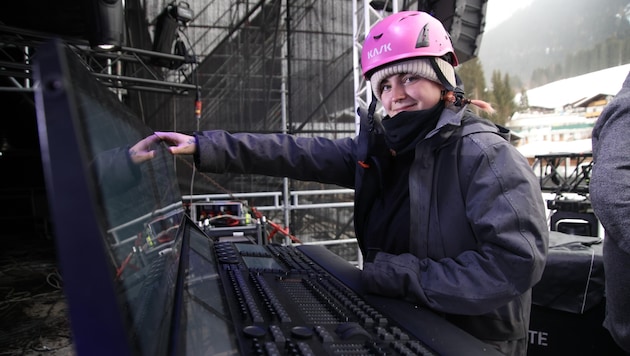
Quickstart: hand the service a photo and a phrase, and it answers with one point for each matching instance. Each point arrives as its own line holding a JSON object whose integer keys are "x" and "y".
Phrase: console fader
{"x": 283, "y": 303}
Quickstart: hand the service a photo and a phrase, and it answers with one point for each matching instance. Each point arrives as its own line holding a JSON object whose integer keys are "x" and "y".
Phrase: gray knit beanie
{"x": 419, "y": 66}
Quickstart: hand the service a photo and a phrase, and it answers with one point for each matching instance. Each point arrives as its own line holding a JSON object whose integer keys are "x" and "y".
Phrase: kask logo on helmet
{"x": 376, "y": 51}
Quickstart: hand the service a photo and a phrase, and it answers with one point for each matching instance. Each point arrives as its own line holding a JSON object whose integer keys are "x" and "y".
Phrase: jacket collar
{"x": 451, "y": 116}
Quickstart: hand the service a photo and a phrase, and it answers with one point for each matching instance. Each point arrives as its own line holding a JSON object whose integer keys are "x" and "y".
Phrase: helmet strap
{"x": 371, "y": 110}
{"x": 370, "y": 117}
{"x": 457, "y": 91}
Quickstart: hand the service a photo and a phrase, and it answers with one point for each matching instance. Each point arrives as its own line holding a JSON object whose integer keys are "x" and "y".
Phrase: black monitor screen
{"x": 116, "y": 216}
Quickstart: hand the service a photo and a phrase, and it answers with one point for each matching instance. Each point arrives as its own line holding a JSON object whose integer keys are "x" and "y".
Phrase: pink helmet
{"x": 403, "y": 35}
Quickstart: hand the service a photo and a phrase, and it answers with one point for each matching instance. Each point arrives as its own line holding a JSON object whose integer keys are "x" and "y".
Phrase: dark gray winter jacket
{"x": 610, "y": 195}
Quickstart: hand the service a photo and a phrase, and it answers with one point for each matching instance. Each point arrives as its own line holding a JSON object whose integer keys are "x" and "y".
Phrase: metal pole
{"x": 283, "y": 101}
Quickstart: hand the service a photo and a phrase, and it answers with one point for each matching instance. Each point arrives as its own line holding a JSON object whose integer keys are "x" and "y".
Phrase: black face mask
{"x": 407, "y": 128}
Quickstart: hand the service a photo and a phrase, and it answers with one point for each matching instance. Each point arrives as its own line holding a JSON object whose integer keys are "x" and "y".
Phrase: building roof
{"x": 552, "y": 99}
{"x": 592, "y": 100}
{"x": 569, "y": 91}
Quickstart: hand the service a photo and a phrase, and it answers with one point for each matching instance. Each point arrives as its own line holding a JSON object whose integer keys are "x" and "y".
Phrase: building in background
{"x": 561, "y": 115}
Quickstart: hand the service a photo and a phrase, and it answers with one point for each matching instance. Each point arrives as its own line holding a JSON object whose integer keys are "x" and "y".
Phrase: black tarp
{"x": 573, "y": 280}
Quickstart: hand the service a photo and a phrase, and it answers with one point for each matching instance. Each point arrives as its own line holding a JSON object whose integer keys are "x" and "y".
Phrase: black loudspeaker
{"x": 464, "y": 20}
{"x": 107, "y": 24}
{"x": 165, "y": 32}
{"x": 166, "y": 40}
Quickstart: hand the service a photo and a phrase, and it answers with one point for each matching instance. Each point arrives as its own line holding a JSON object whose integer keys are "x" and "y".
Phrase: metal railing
{"x": 277, "y": 199}
{"x": 296, "y": 202}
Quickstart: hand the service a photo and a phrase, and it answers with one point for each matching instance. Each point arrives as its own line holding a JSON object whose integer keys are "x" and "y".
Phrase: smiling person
{"x": 448, "y": 214}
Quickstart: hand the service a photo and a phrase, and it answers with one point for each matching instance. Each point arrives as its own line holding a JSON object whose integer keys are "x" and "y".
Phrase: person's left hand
{"x": 179, "y": 143}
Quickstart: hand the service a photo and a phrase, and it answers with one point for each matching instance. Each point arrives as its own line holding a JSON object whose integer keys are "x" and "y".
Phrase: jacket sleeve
{"x": 610, "y": 180}
{"x": 610, "y": 196}
{"x": 302, "y": 158}
{"x": 506, "y": 247}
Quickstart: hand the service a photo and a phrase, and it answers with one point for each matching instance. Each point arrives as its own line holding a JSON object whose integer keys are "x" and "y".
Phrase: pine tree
{"x": 502, "y": 98}
{"x": 472, "y": 75}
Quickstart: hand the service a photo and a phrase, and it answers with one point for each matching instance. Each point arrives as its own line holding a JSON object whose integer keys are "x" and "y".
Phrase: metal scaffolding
{"x": 288, "y": 66}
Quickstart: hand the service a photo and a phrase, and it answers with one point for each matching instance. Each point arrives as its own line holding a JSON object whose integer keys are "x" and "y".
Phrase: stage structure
{"x": 567, "y": 176}
{"x": 257, "y": 66}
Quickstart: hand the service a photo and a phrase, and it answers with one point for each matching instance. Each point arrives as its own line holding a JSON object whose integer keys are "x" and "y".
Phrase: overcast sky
{"x": 498, "y": 11}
